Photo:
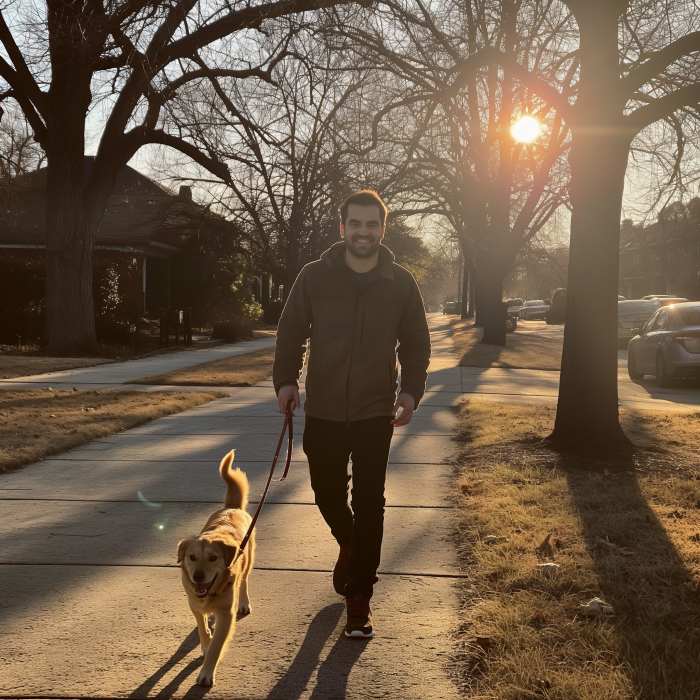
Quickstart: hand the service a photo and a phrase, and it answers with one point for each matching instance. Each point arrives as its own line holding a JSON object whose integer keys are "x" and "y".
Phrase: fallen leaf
{"x": 596, "y": 608}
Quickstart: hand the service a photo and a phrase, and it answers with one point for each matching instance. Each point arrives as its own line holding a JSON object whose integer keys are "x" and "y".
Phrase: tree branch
{"x": 250, "y": 17}
{"x": 25, "y": 79}
{"x": 659, "y": 61}
{"x": 142, "y": 137}
{"x": 687, "y": 96}
{"x": 487, "y": 56}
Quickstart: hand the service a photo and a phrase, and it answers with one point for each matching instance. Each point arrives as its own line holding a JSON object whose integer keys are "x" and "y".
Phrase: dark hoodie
{"x": 352, "y": 372}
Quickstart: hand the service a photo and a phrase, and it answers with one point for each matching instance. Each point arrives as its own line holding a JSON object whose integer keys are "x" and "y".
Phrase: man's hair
{"x": 365, "y": 198}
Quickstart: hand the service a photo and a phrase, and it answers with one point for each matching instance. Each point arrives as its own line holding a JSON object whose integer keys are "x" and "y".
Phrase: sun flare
{"x": 526, "y": 129}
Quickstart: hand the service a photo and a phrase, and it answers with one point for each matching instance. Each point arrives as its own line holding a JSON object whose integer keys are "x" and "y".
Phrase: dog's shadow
{"x": 190, "y": 643}
{"x": 332, "y": 677}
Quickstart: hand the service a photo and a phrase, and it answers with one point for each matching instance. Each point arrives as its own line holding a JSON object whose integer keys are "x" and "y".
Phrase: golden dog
{"x": 215, "y": 578}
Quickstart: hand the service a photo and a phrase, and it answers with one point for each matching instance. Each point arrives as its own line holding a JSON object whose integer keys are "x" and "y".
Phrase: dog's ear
{"x": 181, "y": 549}
{"x": 230, "y": 553}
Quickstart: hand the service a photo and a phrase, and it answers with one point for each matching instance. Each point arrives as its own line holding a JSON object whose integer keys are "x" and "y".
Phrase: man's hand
{"x": 288, "y": 392}
{"x": 408, "y": 404}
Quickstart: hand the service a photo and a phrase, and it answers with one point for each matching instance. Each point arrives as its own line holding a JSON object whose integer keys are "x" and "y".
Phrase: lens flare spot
{"x": 526, "y": 129}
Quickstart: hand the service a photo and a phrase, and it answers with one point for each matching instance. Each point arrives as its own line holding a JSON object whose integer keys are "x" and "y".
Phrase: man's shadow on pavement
{"x": 333, "y": 673}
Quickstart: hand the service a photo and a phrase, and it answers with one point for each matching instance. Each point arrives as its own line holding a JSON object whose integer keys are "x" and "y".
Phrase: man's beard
{"x": 364, "y": 253}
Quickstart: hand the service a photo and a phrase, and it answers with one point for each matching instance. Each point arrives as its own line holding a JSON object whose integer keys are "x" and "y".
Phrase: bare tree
{"x": 638, "y": 66}
{"x": 128, "y": 58}
{"x": 458, "y": 155}
{"x": 284, "y": 142}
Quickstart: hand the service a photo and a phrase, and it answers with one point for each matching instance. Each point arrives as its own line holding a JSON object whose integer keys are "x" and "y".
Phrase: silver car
{"x": 631, "y": 316}
{"x": 668, "y": 346}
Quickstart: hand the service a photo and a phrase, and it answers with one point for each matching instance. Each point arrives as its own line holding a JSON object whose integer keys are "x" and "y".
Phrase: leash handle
{"x": 288, "y": 422}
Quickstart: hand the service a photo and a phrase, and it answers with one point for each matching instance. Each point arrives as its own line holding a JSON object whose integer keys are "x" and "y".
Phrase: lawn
{"x": 522, "y": 351}
{"x": 36, "y": 424}
{"x": 22, "y": 365}
{"x": 242, "y": 370}
{"x": 623, "y": 529}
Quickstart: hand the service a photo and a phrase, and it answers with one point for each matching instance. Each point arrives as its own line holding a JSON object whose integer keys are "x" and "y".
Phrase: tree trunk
{"x": 492, "y": 309}
{"x": 69, "y": 238}
{"x": 472, "y": 305}
{"x": 466, "y": 296}
{"x": 587, "y": 411}
{"x": 478, "y": 295}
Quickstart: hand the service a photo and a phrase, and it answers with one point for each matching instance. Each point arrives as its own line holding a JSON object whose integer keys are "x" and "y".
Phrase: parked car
{"x": 452, "y": 307}
{"x": 666, "y": 301}
{"x": 514, "y": 304}
{"x": 631, "y": 317}
{"x": 668, "y": 346}
{"x": 535, "y": 308}
{"x": 557, "y": 307}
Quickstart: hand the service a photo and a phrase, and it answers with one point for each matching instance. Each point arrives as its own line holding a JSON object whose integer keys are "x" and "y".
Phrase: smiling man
{"x": 357, "y": 306}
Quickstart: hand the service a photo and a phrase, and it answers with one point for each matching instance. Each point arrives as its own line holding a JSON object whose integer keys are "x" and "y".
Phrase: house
{"x": 662, "y": 257}
{"x": 143, "y": 258}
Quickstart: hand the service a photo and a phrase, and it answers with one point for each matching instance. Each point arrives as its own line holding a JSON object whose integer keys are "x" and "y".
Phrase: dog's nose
{"x": 198, "y": 576}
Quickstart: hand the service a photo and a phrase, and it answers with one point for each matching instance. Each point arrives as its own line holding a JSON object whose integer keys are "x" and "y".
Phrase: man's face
{"x": 362, "y": 230}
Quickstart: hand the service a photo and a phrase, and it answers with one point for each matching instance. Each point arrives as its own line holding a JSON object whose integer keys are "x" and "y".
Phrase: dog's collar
{"x": 213, "y": 595}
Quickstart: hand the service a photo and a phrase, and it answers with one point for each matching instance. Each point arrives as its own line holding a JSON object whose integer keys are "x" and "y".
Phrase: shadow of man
{"x": 332, "y": 673}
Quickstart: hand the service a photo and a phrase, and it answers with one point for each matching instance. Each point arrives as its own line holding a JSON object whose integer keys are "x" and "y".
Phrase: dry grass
{"x": 243, "y": 370}
{"x": 12, "y": 366}
{"x": 522, "y": 351}
{"x": 627, "y": 532}
{"x": 36, "y": 424}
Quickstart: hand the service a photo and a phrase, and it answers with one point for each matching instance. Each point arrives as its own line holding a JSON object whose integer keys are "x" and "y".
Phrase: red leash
{"x": 287, "y": 422}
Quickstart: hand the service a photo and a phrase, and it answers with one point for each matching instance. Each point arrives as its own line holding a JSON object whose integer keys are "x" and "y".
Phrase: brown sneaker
{"x": 341, "y": 574}
{"x": 359, "y": 623}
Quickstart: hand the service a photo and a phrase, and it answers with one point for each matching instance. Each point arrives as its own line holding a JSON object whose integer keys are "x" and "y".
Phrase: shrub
{"x": 225, "y": 331}
{"x": 273, "y": 312}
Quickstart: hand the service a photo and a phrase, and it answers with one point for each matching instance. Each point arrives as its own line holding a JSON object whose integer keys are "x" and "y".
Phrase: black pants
{"x": 359, "y": 526}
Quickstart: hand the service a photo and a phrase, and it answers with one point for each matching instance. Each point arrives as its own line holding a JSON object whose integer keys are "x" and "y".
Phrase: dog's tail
{"x": 236, "y": 484}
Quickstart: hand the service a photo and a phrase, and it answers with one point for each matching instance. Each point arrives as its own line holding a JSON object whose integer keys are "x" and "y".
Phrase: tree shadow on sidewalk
{"x": 333, "y": 672}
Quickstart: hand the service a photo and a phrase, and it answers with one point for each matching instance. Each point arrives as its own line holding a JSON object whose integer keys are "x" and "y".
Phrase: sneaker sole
{"x": 356, "y": 634}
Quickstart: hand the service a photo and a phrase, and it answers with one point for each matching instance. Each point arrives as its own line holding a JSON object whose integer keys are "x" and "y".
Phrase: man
{"x": 355, "y": 304}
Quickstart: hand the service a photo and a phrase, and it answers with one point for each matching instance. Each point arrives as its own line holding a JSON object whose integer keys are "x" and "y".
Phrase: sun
{"x": 526, "y": 129}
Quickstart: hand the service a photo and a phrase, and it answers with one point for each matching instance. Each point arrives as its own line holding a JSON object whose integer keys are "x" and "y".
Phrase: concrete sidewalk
{"x": 116, "y": 373}
{"x": 92, "y": 604}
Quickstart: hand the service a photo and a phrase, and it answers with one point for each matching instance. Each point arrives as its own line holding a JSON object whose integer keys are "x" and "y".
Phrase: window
{"x": 661, "y": 323}
{"x": 650, "y": 323}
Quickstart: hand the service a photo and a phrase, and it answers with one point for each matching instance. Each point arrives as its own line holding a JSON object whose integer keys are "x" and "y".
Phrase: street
{"x": 527, "y": 385}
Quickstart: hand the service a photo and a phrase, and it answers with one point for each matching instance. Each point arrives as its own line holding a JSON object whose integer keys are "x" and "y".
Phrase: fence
{"x": 122, "y": 334}
{"x": 21, "y": 330}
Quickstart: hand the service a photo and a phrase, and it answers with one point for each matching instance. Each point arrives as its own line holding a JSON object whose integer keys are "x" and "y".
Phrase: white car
{"x": 668, "y": 346}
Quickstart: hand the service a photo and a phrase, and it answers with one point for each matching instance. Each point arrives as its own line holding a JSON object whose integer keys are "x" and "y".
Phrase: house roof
{"x": 139, "y": 212}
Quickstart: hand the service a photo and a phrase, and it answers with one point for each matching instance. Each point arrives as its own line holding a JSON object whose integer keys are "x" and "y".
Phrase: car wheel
{"x": 632, "y": 366}
{"x": 511, "y": 324}
{"x": 662, "y": 379}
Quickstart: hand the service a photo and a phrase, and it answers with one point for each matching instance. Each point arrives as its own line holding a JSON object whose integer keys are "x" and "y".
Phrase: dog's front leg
{"x": 203, "y": 629}
{"x": 222, "y": 633}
